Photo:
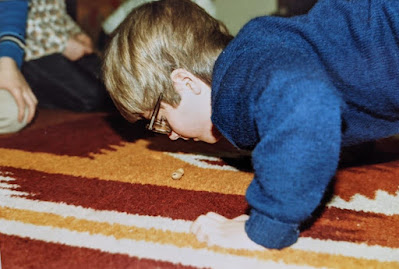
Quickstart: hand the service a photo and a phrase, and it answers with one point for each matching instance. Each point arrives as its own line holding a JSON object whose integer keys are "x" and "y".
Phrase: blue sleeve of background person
{"x": 13, "y": 15}
{"x": 296, "y": 157}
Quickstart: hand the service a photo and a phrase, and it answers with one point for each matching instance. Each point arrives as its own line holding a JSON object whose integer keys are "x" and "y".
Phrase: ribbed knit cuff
{"x": 10, "y": 49}
{"x": 270, "y": 233}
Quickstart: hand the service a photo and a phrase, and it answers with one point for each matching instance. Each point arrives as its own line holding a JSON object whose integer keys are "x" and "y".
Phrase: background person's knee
{"x": 9, "y": 114}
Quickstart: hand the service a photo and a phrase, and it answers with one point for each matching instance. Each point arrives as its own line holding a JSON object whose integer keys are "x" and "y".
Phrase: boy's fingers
{"x": 207, "y": 219}
{"x": 196, "y": 224}
{"x": 205, "y": 227}
{"x": 201, "y": 235}
{"x": 206, "y": 230}
{"x": 201, "y": 222}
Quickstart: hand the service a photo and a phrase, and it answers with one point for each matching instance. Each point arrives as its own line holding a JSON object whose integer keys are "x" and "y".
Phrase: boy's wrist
{"x": 270, "y": 233}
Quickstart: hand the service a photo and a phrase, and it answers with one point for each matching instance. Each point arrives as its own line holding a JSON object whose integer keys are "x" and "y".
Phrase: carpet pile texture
{"x": 92, "y": 191}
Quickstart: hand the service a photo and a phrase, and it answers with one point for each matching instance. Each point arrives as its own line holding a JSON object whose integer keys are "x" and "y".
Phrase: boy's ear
{"x": 185, "y": 80}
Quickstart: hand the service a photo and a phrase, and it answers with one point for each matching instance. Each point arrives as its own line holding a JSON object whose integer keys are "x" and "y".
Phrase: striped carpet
{"x": 91, "y": 191}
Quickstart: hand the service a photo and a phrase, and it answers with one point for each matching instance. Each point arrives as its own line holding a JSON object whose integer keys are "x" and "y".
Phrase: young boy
{"x": 292, "y": 90}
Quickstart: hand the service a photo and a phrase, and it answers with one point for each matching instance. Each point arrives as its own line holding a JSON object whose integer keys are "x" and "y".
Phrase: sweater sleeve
{"x": 13, "y": 14}
{"x": 299, "y": 125}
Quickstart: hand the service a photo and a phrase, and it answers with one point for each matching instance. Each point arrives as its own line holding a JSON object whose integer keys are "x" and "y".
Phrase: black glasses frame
{"x": 158, "y": 126}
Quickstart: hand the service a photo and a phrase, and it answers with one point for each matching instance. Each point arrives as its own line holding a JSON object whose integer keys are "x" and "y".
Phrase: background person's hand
{"x": 86, "y": 41}
{"x": 77, "y": 46}
{"x": 12, "y": 80}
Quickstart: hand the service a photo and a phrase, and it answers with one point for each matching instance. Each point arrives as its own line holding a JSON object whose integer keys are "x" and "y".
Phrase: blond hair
{"x": 155, "y": 39}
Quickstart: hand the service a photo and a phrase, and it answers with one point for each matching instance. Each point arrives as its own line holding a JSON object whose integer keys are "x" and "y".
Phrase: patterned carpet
{"x": 92, "y": 191}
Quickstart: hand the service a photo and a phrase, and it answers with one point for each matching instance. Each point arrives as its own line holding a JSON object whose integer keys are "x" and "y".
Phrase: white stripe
{"x": 383, "y": 203}
{"x": 348, "y": 249}
{"x": 200, "y": 161}
{"x": 9, "y": 198}
{"x": 8, "y": 186}
{"x": 181, "y": 226}
{"x": 13, "y": 39}
{"x": 140, "y": 249}
{"x": 64, "y": 210}
{"x": 8, "y": 193}
{"x": 6, "y": 178}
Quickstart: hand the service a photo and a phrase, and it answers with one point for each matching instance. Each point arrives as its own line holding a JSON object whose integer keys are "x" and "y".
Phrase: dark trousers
{"x": 60, "y": 83}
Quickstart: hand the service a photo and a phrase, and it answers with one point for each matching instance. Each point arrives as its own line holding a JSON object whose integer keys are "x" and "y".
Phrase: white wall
{"x": 235, "y": 13}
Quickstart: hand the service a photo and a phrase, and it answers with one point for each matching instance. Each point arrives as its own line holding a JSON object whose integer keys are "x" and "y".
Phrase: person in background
{"x": 17, "y": 101}
{"x": 61, "y": 65}
{"x": 45, "y": 58}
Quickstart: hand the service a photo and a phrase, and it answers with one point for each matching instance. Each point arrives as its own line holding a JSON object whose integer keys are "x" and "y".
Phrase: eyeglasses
{"x": 158, "y": 125}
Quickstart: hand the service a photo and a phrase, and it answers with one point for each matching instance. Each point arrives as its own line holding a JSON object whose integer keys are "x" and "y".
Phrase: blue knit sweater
{"x": 294, "y": 90}
{"x": 13, "y": 14}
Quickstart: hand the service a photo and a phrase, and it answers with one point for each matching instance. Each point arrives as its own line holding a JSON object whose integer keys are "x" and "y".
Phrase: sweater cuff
{"x": 270, "y": 233}
{"x": 10, "y": 49}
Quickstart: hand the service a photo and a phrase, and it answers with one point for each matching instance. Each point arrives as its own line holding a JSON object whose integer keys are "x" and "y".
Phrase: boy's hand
{"x": 12, "y": 80}
{"x": 78, "y": 46}
{"x": 215, "y": 229}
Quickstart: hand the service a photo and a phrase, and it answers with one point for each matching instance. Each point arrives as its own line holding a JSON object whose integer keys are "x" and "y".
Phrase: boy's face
{"x": 191, "y": 119}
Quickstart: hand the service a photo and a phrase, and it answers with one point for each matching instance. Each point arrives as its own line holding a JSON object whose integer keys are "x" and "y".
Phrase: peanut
{"x": 178, "y": 174}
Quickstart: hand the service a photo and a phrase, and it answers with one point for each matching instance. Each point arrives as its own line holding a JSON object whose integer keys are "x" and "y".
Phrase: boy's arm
{"x": 295, "y": 160}
{"x": 300, "y": 128}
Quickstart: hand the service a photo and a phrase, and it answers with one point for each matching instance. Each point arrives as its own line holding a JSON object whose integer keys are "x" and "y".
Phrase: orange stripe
{"x": 288, "y": 256}
{"x": 133, "y": 163}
